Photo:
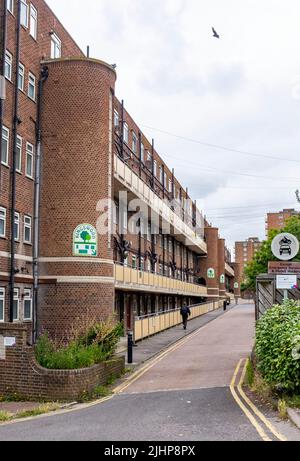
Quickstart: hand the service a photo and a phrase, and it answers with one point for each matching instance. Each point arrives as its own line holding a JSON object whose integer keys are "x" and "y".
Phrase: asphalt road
{"x": 184, "y": 396}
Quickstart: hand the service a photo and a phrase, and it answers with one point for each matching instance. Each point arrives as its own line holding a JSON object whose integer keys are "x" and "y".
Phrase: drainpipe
{"x": 37, "y": 193}
{"x": 3, "y": 51}
{"x": 16, "y": 121}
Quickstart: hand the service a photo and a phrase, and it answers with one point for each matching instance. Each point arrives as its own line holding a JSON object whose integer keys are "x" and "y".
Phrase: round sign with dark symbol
{"x": 285, "y": 246}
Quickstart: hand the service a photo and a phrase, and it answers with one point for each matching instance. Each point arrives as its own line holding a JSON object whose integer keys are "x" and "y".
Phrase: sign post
{"x": 285, "y": 247}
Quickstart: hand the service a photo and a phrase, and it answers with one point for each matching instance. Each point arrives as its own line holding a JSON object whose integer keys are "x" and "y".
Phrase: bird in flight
{"x": 215, "y": 33}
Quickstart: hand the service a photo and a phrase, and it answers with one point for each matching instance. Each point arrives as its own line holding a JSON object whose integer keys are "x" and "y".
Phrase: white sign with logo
{"x": 9, "y": 342}
{"x": 211, "y": 273}
{"x": 285, "y": 246}
{"x": 236, "y": 285}
{"x": 286, "y": 282}
{"x": 85, "y": 241}
{"x": 222, "y": 278}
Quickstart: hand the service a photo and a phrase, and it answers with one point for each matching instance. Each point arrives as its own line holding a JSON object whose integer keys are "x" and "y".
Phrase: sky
{"x": 224, "y": 113}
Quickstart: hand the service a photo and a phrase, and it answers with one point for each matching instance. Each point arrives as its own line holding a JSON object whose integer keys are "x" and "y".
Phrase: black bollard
{"x": 224, "y": 305}
{"x": 129, "y": 347}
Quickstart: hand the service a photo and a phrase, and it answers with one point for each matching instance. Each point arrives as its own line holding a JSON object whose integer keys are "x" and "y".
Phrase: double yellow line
{"x": 243, "y": 401}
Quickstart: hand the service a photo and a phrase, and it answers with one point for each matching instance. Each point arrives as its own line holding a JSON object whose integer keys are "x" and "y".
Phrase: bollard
{"x": 224, "y": 305}
{"x": 130, "y": 347}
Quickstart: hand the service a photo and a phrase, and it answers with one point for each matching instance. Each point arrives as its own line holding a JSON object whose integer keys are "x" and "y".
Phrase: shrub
{"x": 277, "y": 343}
{"x": 96, "y": 346}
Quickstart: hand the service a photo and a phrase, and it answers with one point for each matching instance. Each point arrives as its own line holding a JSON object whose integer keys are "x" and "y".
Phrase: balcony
{"x": 140, "y": 189}
{"x": 229, "y": 271}
{"x": 130, "y": 279}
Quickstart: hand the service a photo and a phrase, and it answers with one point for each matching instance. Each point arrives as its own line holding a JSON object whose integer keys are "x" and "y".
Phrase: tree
{"x": 85, "y": 236}
{"x": 259, "y": 264}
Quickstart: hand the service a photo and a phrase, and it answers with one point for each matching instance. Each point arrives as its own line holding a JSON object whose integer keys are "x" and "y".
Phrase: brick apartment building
{"x": 68, "y": 144}
{"x": 245, "y": 251}
{"x": 278, "y": 220}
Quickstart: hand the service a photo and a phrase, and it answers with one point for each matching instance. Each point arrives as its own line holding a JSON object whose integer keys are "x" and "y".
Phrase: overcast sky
{"x": 241, "y": 92}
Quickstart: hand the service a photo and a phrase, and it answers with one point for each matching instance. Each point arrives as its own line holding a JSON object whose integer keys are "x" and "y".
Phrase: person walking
{"x": 185, "y": 313}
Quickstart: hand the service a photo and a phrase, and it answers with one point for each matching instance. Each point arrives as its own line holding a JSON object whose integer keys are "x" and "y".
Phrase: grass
{"x": 41, "y": 410}
{"x": 281, "y": 402}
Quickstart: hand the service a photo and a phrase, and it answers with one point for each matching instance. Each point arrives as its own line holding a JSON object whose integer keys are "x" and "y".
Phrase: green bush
{"x": 84, "y": 352}
{"x": 277, "y": 342}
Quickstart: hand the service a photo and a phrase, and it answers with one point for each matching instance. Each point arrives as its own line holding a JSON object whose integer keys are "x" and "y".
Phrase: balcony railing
{"x": 128, "y": 277}
{"x": 149, "y": 325}
{"x": 142, "y": 190}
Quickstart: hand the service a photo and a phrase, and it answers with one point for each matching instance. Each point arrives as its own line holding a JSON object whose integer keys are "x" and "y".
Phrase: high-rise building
{"x": 278, "y": 220}
{"x": 245, "y": 251}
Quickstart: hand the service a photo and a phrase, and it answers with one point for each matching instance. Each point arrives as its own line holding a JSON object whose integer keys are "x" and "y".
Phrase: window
{"x": 170, "y": 185}
{"x": 24, "y": 13}
{"x": 116, "y": 118}
{"x": 149, "y": 232}
{"x": 133, "y": 263}
{"x": 134, "y": 143}
{"x": 2, "y": 222}
{"x": 2, "y": 304}
{"x": 21, "y": 77}
{"x": 160, "y": 174}
{"x": 27, "y": 229}
{"x": 55, "y": 47}
{"x": 33, "y": 21}
{"x": 8, "y": 65}
{"x": 17, "y": 226}
{"x": 16, "y": 304}
{"x": 165, "y": 180}
{"x": 142, "y": 153}
{"x": 29, "y": 160}
{"x": 155, "y": 168}
{"x": 126, "y": 133}
{"x": 19, "y": 154}
{"x": 27, "y": 313}
{"x": 5, "y": 145}
{"x": 10, "y": 6}
{"x": 31, "y": 86}
{"x": 142, "y": 264}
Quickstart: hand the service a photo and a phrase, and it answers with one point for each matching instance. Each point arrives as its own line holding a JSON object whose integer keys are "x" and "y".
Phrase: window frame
{"x": 56, "y": 44}
{"x": 10, "y": 4}
{"x": 116, "y": 118}
{"x": 35, "y": 20}
{"x": 2, "y": 299}
{"x": 31, "y": 77}
{"x": 126, "y": 133}
{"x": 27, "y": 297}
{"x": 17, "y": 223}
{"x": 134, "y": 143}
{"x": 8, "y": 64}
{"x": 22, "y": 74}
{"x": 26, "y": 6}
{"x": 19, "y": 146}
{"x": 6, "y": 138}
{"x": 25, "y": 227}
{"x": 28, "y": 154}
{"x": 3, "y": 218}
{"x": 16, "y": 298}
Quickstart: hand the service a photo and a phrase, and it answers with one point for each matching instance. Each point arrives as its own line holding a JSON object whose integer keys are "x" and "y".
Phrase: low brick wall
{"x": 22, "y": 376}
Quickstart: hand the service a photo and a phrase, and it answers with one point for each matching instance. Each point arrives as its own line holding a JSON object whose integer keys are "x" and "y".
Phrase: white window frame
{"x": 19, "y": 149}
{"x": 27, "y": 225}
{"x": 8, "y": 65}
{"x": 33, "y": 21}
{"x": 17, "y": 223}
{"x": 5, "y": 137}
{"x": 142, "y": 153}
{"x": 32, "y": 84}
{"x": 116, "y": 118}
{"x": 3, "y": 215}
{"x": 134, "y": 262}
{"x": 134, "y": 143}
{"x": 21, "y": 77}
{"x": 29, "y": 153}
{"x": 2, "y": 300}
{"x": 24, "y": 13}
{"x": 155, "y": 168}
{"x": 126, "y": 133}
{"x": 56, "y": 47}
{"x": 10, "y": 6}
{"x": 27, "y": 297}
{"x": 17, "y": 298}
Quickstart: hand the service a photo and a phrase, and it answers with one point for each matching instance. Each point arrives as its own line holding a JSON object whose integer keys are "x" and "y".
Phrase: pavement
{"x": 190, "y": 392}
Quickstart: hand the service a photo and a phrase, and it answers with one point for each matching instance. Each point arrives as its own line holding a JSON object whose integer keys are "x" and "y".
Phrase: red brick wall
{"x": 22, "y": 376}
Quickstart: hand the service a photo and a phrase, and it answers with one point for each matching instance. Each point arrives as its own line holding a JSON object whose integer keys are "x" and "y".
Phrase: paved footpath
{"x": 189, "y": 393}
